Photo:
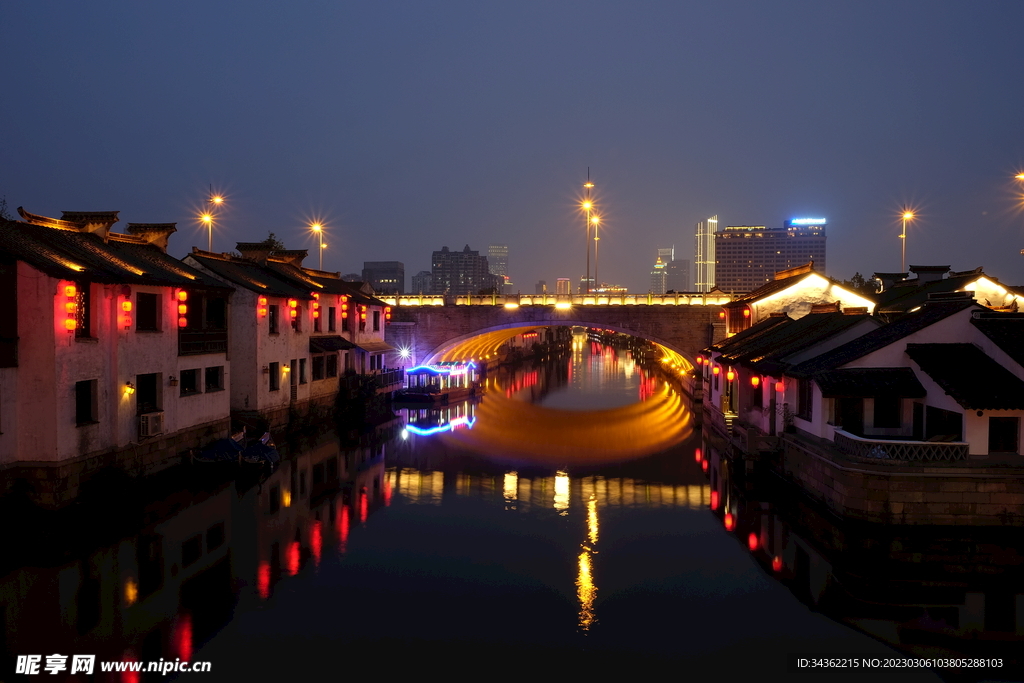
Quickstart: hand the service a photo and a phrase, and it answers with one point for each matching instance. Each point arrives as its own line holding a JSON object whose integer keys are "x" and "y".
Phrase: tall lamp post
{"x": 207, "y": 218}
{"x": 595, "y": 221}
{"x": 588, "y": 207}
{"x": 1020, "y": 177}
{"x": 907, "y": 215}
{"x": 319, "y": 230}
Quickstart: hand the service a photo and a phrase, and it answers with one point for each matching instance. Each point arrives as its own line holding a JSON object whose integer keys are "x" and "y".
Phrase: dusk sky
{"x": 408, "y": 126}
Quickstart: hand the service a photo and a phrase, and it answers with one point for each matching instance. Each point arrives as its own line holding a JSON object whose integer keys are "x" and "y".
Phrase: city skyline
{"x": 881, "y": 119}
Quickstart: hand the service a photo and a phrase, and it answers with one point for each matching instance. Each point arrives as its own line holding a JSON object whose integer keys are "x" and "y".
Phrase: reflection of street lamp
{"x": 595, "y": 221}
{"x": 907, "y": 215}
{"x": 319, "y": 230}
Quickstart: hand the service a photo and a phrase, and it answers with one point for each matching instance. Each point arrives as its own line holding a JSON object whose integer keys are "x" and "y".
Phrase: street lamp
{"x": 907, "y": 215}
{"x": 207, "y": 218}
{"x": 588, "y": 206}
{"x": 319, "y": 230}
{"x": 595, "y": 221}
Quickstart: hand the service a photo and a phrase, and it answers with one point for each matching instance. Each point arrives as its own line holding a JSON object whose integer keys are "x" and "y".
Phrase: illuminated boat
{"x": 439, "y": 383}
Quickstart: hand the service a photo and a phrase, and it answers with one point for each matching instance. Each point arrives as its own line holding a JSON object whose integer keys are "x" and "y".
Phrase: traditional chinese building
{"x": 112, "y": 352}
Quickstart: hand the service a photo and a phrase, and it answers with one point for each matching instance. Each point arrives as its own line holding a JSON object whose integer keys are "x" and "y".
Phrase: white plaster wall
{"x": 798, "y": 300}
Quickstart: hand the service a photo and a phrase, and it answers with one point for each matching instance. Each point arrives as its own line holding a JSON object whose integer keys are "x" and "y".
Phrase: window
{"x": 757, "y": 396}
{"x": 215, "y": 378}
{"x": 297, "y": 320}
{"x": 85, "y": 402}
{"x": 888, "y": 411}
{"x": 376, "y": 321}
{"x": 83, "y": 299}
{"x": 272, "y": 318}
{"x": 275, "y": 376}
{"x": 189, "y": 382}
{"x": 215, "y": 536}
{"x": 332, "y": 365}
{"x": 216, "y": 313}
{"x": 804, "y": 405}
{"x": 191, "y": 550}
{"x": 1002, "y": 434}
{"x": 332, "y": 314}
{"x": 147, "y": 393}
{"x": 302, "y": 371}
{"x": 346, "y": 322}
{"x": 147, "y": 313}
{"x": 318, "y": 367}
{"x": 316, "y": 322}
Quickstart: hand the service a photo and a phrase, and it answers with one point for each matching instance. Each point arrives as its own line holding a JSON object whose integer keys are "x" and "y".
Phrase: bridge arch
{"x": 424, "y": 332}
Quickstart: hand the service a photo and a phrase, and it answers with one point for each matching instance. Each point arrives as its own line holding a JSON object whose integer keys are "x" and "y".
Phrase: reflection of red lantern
{"x": 730, "y": 521}
{"x": 746, "y": 312}
{"x": 721, "y": 314}
{"x": 714, "y": 500}
{"x": 752, "y": 541}
{"x": 777, "y": 563}
{"x": 696, "y": 455}
{"x": 704, "y": 465}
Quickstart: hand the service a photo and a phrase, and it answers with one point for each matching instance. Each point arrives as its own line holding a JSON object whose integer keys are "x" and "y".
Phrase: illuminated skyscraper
{"x": 750, "y": 255}
{"x": 563, "y": 285}
{"x": 497, "y": 262}
{"x": 658, "y": 277}
{"x": 704, "y": 254}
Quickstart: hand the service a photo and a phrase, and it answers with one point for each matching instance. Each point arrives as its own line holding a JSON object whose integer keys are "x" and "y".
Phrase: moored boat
{"x": 443, "y": 382}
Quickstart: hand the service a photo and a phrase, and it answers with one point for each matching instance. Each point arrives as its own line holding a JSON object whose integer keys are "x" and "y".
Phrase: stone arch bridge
{"x": 427, "y": 326}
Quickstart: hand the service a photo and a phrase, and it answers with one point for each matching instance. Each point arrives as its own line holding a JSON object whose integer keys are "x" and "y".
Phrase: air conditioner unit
{"x": 151, "y": 424}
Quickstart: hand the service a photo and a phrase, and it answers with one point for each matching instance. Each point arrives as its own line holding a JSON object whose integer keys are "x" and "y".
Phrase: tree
{"x": 273, "y": 242}
{"x": 4, "y": 213}
{"x": 858, "y": 284}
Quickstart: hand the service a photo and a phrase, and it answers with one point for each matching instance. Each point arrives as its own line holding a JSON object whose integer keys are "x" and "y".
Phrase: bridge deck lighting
{"x": 563, "y": 305}
{"x": 511, "y": 304}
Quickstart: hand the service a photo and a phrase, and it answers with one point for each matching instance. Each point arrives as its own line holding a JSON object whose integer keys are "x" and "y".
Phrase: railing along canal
{"x": 886, "y": 449}
{"x": 516, "y": 300}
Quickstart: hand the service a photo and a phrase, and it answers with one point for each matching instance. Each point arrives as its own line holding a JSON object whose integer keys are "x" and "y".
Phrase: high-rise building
{"x": 667, "y": 254}
{"x": 497, "y": 262}
{"x": 658, "y": 277}
{"x": 704, "y": 254}
{"x": 463, "y": 272}
{"x": 563, "y": 285}
{"x": 749, "y": 255}
{"x": 386, "y": 277}
{"x": 586, "y": 285}
{"x": 421, "y": 282}
{"x": 677, "y": 276}
{"x": 541, "y": 287}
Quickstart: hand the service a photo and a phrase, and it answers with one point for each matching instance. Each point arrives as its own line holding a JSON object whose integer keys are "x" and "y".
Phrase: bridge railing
{"x": 516, "y": 300}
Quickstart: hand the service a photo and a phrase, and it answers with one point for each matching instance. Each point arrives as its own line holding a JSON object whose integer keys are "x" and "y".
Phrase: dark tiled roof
{"x": 1006, "y": 330}
{"x": 880, "y": 338}
{"x": 767, "y": 352}
{"x": 74, "y": 255}
{"x": 329, "y": 343}
{"x": 907, "y": 294}
{"x": 251, "y": 275}
{"x": 971, "y": 377}
{"x": 752, "y": 331}
{"x": 870, "y": 382}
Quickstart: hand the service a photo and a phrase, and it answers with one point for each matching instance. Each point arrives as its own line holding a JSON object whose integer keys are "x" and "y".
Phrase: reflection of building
{"x": 109, "y": 347}
{"x": 704, "y": 254}
{"x": 463, "y": 272}
{"x": 421, "y": 283}
{"x": 386, "y": 277}
{"x": 749, "y": 255}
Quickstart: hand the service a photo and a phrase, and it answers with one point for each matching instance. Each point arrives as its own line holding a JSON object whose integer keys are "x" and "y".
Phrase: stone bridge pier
{"x": 427, "y": 331}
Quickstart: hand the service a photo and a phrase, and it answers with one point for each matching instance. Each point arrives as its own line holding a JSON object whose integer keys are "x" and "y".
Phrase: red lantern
{"x": 182, "y": 309}
{"x": 263, "y": 312}
{"x": 721, "y": 314}
{"x": 182, "y": 322}
{"x": 730, "y": 375}
{"x": 182, "y": 295}
{"x": 295, "y": 313}
{"x": 70, "y": 291}
{"x": 316, "y": 313}
{"x": 126, "y": 306}
{"x": 746, "y": 312}
{"x": 71, "y": 308}
{"x": 70, "y": 324}
{"x": 262, "y": 301}
{"x": 780, "y": 387}
{"x": 292, "y": 303}
{"x": 716, "y": 370}
{"x": 755, "y": 381}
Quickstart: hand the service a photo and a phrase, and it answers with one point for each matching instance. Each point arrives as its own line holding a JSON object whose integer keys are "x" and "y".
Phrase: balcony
{"x": 197, "y": 342}
{"x": 891, "y": 449}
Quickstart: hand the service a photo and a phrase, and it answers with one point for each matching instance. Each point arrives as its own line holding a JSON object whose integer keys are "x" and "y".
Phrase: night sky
{"x": 407, "y": 126}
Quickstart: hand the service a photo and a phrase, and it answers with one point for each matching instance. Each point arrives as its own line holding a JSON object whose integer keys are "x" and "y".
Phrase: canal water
{"x": 562, "y": 525}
